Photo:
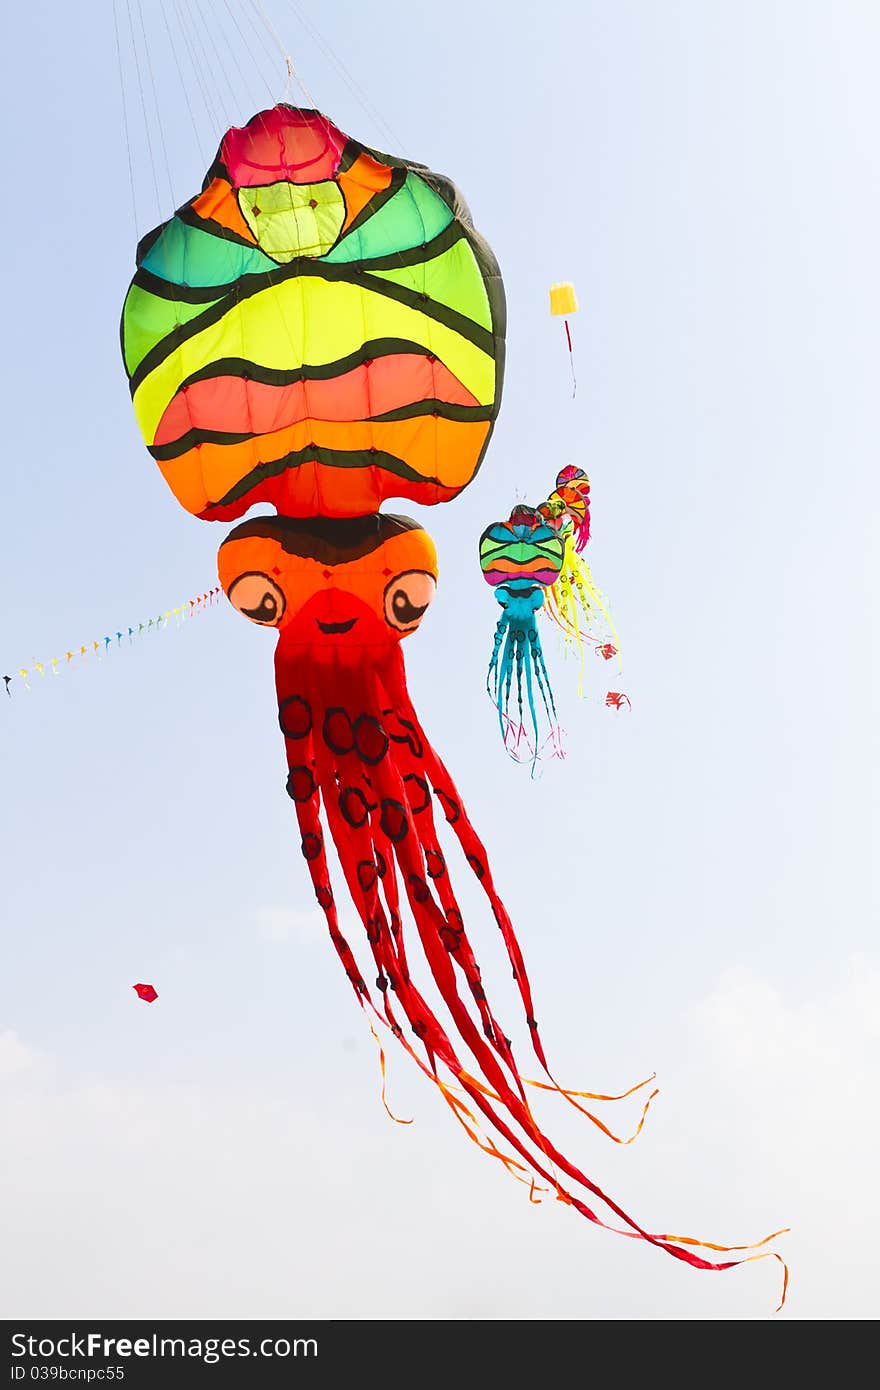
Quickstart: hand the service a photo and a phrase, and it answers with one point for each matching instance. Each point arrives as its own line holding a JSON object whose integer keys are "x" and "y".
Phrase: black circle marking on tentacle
{"x": 324, "y": 894}
{"x": 353, "y": 806}
{"x": 370, "y": 739}
{"x": 453, "y": 931}
{"x": 477, "y": 865}
{"x": 381, "y": 866}
{"x": 451, "y": 808}
{"x": 410, "y": 737}
{"x": 295, "y": 716}
{"x": 420, "y": 890}
{"x": 393, "y": 820}
{"x": 435, "y": 864}
{"x": 367, "y": 874}
{"x": 423, "y": 787}
{"x": 311, "y": 845}
{"x": 301, "y": 784}
{"x": 338, "y": 731}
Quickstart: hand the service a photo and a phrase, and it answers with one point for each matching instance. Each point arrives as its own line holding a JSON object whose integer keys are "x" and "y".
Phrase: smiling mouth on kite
{"x": 336, "y": 627}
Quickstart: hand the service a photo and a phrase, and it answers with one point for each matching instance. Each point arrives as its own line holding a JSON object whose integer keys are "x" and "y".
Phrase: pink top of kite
{"x": 284, "y": 143}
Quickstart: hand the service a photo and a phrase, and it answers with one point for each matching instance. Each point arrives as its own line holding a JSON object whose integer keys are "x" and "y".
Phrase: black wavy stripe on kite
{"x": 331, "y": 458}
{"x": 329, "y": 540}
{"x": 249, "y": 285}
{"x": 163, "y": 452}
{"x": 394, "y": 260}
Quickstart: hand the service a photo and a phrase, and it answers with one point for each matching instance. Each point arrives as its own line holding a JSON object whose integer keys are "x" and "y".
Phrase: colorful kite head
{"x": 568, "y": 507}
{"x": 321, "y": 328}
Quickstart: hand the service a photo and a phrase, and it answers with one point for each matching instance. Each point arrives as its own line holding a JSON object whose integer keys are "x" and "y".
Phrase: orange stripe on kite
{"x": 219, "y": 203}
{"x": 359, "y": 184}
{"x": 205, "y": 474}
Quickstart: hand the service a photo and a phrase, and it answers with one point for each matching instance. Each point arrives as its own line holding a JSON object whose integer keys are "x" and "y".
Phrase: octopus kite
{"x": 521, "y": 558}
{"x": 322, "y": 329}
{"x": 574, "y": 602}
{"x": 534, "y": 562}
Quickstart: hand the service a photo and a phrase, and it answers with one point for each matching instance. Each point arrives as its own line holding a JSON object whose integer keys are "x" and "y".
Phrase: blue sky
{"x": 693, "y": 886}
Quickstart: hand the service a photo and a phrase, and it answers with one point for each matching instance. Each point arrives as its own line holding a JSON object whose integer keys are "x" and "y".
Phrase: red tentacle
{"x": 396, "y": 818}
{"x": 312, "y": 845}
{"x": 413, "y": 747}
{"x": 368, "y": 788}
{"x": 454, "y": 934}
{"x": 357, "y": 857}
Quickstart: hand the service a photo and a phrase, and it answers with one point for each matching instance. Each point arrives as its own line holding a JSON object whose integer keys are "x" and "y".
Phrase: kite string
{"x": 248, "y": 49}
{"x": 350, "y": 81}
{"x": 219, "y": 65}
{"x": 193, "y": 57}
{"x": 137, "y": 64}
{"x": 288, "y": 61}
{"x": 255, "y": 27}
{"x": 149, "y": 62}
{"x": 184, "y": 86}
{"x": 125, "y": 125}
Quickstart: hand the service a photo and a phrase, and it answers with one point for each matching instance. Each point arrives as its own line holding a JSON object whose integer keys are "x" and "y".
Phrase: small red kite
{"x": 145, "y": 992}
{"x": 616, "y": 700}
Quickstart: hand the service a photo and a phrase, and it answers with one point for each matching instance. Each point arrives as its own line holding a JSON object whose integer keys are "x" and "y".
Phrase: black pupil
{"x": 266, "y": 612}
{"x": 405, "y": 611}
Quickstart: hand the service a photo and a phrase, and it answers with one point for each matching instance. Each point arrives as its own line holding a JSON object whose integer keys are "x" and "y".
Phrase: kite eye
{"x": 407, "y": 598}
{"x": 258, "y": 597}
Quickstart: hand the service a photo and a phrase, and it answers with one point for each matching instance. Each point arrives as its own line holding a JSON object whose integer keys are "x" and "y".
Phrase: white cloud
{"x": 15, "y": 1057}
{"x": 234, "y": 1197}
{"x": 288, "y": 923}
{"x": 810, "y": 1060}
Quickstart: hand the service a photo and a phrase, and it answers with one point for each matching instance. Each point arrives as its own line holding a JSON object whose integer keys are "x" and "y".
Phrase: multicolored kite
{"x": 322, "y": 329}
{"x": 574, "y": 602}
{"x": 521, "y": 558}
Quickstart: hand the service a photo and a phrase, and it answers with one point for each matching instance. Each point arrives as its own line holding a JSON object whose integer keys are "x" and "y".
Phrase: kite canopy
{"x": 563, "y": 299}
{"x": 522, "y": 550}
{"x": 320, "y": 328}
{"x": 145, "y": 992}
